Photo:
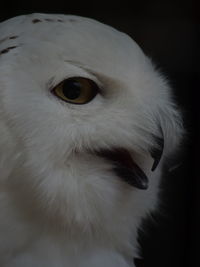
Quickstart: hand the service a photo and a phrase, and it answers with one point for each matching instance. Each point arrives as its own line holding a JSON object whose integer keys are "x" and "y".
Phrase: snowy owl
{"x": 86, "y": 124}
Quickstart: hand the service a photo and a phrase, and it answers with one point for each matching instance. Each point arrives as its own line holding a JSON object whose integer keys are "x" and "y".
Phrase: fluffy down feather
{"x": 62, "y": 203}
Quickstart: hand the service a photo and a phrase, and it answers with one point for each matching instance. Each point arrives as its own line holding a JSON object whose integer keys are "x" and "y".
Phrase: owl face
{"x": 86, "y": 116}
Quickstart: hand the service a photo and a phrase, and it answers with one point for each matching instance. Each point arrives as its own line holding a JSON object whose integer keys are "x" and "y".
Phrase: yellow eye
{"x": 76, "y": 90}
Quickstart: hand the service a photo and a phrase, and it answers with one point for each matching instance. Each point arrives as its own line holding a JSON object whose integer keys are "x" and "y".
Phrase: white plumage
{"x": 70, "y": 194}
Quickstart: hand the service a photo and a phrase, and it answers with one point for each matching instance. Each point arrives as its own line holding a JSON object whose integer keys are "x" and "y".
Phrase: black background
{"x": 168, "y": 32}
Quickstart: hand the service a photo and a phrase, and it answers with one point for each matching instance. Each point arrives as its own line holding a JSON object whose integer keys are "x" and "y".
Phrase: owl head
{"x": 86, "y": 123}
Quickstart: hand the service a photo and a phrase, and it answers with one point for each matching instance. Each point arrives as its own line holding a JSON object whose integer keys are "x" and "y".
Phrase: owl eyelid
{"x": 89, "y": 74}
{"x": 53, "y": 82}
{"x": 85, "y": 72}
{"x": 85, "y": 85}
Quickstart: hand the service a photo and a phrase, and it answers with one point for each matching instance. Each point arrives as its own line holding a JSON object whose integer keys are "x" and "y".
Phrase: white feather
{"x": 64, "y": 208}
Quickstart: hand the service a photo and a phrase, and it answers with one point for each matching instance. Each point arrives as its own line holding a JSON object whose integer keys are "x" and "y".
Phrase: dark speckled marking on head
{"x": 60, "y": 20}
{"x": 7, "y": 38}
{"x": 6, "y": 50}
{"x": 36, "y": 20}
{"x": 13, "y": 37}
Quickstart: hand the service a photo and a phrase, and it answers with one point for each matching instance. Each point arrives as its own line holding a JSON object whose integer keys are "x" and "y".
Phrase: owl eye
{"x": 76, "y": 90}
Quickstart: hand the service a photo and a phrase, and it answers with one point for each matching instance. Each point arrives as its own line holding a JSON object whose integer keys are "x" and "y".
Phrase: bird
{"x": 87, "y": 122}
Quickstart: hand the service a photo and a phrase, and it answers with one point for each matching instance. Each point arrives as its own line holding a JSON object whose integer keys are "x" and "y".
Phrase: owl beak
{"x": 156, "y": 152}
{"x": 125, "y": 167}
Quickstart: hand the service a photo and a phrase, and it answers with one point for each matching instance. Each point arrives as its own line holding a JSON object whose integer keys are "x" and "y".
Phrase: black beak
{"x": 157, "y": 152}
{"x": 125, "y": 167}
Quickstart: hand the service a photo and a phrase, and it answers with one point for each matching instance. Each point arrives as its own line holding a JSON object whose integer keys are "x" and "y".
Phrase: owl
{"x": 86, "y": 124}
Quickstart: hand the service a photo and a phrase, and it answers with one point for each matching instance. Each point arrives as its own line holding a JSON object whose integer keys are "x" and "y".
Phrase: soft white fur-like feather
{"x": 61, "y": 205}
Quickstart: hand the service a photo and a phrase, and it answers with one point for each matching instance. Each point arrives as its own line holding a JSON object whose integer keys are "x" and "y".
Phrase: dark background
{"x": 168, "y": 32}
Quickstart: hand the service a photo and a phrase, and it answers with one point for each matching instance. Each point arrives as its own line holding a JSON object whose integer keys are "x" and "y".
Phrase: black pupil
{"x": 71, "y": 89}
